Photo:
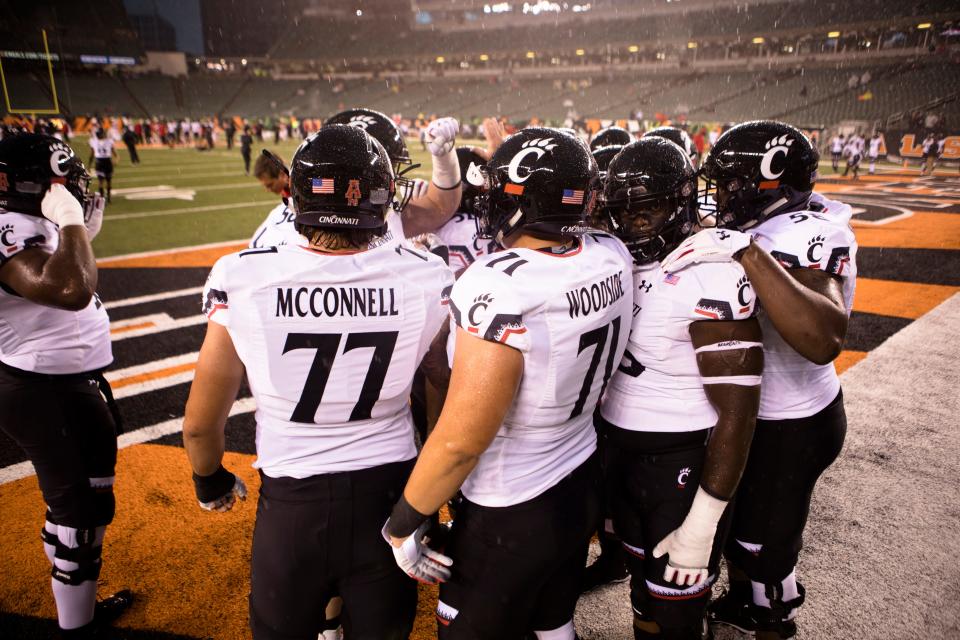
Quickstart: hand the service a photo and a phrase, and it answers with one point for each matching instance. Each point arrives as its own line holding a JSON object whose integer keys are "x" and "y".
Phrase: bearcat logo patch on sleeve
{"x": 787, "y": 260}
{"x": 744, "y": 297}
{"x": 445, "y": 294}
{"x": 714, "y": 309}
{"x": 503, "y": 325}
{"x": 216, "y": 300}
{"x": 838, "y": 261}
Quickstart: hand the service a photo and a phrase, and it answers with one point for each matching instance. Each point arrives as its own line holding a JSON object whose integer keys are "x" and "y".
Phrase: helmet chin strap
{"x": 512, "y": 222}
{"x": 776, "y": 204}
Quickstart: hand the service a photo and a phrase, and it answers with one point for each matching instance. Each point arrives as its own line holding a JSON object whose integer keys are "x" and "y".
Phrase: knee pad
{"x": 80, "y": 550}
{"x": 775, "y": 606}
{"x": 644, "y": 627}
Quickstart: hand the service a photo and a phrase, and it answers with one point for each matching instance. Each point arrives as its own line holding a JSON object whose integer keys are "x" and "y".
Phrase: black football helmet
{"x": 603, "y": 156}
{"x": 341, "y": 178}
{"x": 471, "y": 177}
{"x": 650, "y": 197}
{"x": 381, "y": 127}
{"x": 758, "y": 170}
{"x": 609, "y": 136}
{"x": 680, "y": 138}
{"x": 540, "y": 180}
{"x": 30, "y": 163}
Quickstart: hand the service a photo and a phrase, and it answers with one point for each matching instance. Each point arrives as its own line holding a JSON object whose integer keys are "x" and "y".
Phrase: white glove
{"x": 93, "y": 216}
{"x": 419, "y": 561}
{"x": 441, "y": 134}
{"x": 226, "y": 502}
{"x": 709, "y": 245}
{"x": 689, "y": 546}
{"x": 60, "y": 207}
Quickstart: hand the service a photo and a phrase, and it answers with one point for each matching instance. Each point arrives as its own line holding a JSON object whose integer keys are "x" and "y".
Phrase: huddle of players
{"x": 577, "y": 294}
{"x": 595, "y": 340}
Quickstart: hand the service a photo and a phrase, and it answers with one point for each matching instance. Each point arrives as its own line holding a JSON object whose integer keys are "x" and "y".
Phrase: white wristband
{"x": 446, "y": 170}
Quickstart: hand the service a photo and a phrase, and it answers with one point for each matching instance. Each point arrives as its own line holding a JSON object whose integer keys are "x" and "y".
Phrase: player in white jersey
{"x": 54, "y": 345}
{"x": 836, "y": 151}
{"x": 801, "y": 262}
{"x": 853, "y": 151}
{"x": 102, "y": 155}
{"x": 421, "y": 207}
{"x": 873, "y": 151}
{"x": 329, "y": 333}
{"x": 277, "y": 229}
{"x": 678, "y": 414}
{"x": 540, "y": 326}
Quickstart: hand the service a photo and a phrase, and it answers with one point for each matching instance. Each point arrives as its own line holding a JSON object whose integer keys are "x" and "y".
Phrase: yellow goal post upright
{"x": 53, "y": 86}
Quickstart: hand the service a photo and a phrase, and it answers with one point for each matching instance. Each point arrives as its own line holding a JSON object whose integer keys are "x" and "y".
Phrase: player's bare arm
{"x": 805, "y": 305}
{"x": 485, "y": 374}
{"x": 729, "y": 351}
{"x": 215, "y": 385}
{"x": 730, "y": 360}
{"x": 435, "y": 365}
{"x": 67, "y": 278}
{"x": 430, "y": 211}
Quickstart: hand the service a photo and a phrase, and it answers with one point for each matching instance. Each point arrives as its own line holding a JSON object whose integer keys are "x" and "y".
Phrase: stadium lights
{"x": 484, "y": 57}
{"x": 833, "y": 34}
{"x": 580, "y": 52}
{"x": 531, "y": 55}
{"x": 359, "y": 12}
{"x": 633, "y": 48}
{"x": 243, "y": 61}
{"x": 758, "y": 40}
{"x": 691, "y": 45}
{"x": 924, "y": 25}
{"x": 440, "y": 59}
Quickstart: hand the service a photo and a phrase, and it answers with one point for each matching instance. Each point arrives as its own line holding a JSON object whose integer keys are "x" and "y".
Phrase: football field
{"x": 881, "y": 552}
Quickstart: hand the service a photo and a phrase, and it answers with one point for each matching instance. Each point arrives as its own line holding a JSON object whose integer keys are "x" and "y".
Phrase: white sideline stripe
{"x": 153, "y": 297}
{"x": 162, "y": 321}
{"x": 147, "y": 367}
{"x": 173, "y": 212}
{"x": 153, "y": 385}
{"x": 143, "y": 434}
{"x": 184, "y": 175}
{"x": 167, "y": 252}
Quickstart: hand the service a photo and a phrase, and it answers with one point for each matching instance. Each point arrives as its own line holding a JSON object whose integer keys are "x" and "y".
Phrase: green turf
{"x": 218, "y": 181}
{"x": 235, "y": 204}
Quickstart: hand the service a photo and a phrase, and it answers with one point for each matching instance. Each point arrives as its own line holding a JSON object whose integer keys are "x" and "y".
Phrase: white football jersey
{"x": 819, "y": 238}
{"x": 42, "y": 339}
{"x": 874, "y": 147}
{"x": 101, "y": 148}
{"x": 330, "y": 344}
{"x": 836, "y": 144}
{"x": 459, "y": 234}
{"x": 569, "y": 315}
{"x": 276, "y": 230}
{"x": 658, "y": 386}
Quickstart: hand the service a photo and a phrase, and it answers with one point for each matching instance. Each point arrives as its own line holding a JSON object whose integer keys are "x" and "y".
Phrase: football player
{"x": 539, "y": 328}
{"x": 102, "y": 155}
{"x": 54, "y": 401}
{"x": 679, "y": 137}
{"x": 800, "y": 256}
{"x": 679, "y": 412}
{"x": 609, "y": 136}
{"x": 610, "y": 565}
{"x": 329, "y": 332}
{"x": 423, "y": 206}
{"x": 278, "y": 227}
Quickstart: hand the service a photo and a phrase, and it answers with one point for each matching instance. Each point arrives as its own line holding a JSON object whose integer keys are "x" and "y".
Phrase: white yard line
{"x": 166, "y": 252}
{"x": 162, "y": 322}
{"x": 173, "y": 212}
{"x": 153, "y": 297}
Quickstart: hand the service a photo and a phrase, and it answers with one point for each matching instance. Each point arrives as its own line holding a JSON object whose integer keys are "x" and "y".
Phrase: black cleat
{"x": 732, "y": 611}
{"x": 112, "y": 607}
{"x": 603, "y": 572}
